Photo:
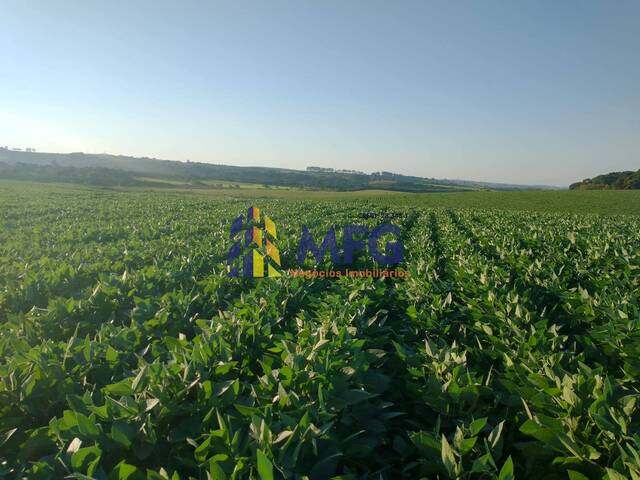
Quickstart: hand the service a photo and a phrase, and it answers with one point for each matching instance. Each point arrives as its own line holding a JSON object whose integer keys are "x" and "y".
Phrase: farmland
{"x": 512, "y": 350}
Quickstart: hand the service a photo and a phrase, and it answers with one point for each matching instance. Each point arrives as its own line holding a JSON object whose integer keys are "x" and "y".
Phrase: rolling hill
{"x": 614, "y": 180}
{"x": 105, "y": 169}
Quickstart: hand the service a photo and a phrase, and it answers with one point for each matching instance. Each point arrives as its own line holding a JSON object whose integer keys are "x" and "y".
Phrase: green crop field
{"x": 126, "y": 352}
{"x": 606, "y": 202}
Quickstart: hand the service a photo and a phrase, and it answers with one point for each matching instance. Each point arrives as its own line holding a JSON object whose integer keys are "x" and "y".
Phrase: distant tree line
{"x": 615, "y": 180}
{"x": 111, "y": 170}
{"x": 202, "y": 175}
{"x": 82, "y": 175}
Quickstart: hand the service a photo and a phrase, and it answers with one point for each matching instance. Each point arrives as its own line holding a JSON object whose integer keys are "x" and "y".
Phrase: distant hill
{"x": 98, "y": 176}
{"x": 615, "y": 180}
{"x": 194, "y": 173}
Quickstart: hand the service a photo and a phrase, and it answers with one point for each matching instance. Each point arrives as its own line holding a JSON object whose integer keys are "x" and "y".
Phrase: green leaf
{"x": 494, "y": 436}
{"x": 139, "y": 380}
{"x": 245, "y": 410}
{"x": 222, "y": 387}
{"x": 122, "y": 432}
{"x": 614, "y": 475}
{"x": 352, "y": 397}
{"x": 477, "y": 425}
{"x": 546, "y": 435}
{"x": 83, "y": 459}
{"x": 216, "y": 472}
{"x": 202, "y": 451}
{"x": 482, "y": 464}
{"x": 506, "y": 472}
{"x": 86, "y": 426}
{"x": 427, "y": 444}
{"x": 121, "y": 388}
{"x": 265, "y": 467}
{"x": 111, "y": 355}
{"x": 573, "y": 475}
{"x": 325, "y": 468}
{"x": 123, "y": 471}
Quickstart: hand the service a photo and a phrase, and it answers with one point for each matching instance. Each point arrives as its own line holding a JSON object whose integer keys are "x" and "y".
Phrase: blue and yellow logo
{"x": 255, "y": 247}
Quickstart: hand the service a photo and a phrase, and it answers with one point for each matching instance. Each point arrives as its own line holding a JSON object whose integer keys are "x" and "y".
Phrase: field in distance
{"x": 126, "y": 351}
{"x": 607, "y": 202}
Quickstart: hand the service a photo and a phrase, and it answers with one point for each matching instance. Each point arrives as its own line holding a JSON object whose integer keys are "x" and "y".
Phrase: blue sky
{"x": 539, "y": 92}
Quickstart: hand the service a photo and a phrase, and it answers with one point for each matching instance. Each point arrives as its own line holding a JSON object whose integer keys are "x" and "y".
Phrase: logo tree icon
{"x": 254, "y": 247}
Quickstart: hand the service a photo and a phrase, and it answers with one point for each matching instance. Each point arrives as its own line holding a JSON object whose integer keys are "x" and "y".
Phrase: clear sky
{"x": 538, "y": 92}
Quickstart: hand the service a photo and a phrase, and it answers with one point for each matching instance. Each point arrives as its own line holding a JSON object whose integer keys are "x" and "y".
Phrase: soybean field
{"x": 126, "y": 351}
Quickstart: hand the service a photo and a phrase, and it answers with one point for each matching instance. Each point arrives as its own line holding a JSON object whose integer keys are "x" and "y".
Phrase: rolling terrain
{"x": 103, "y": 169}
